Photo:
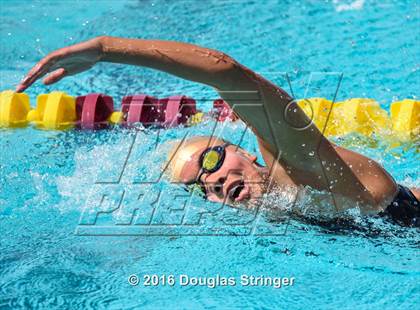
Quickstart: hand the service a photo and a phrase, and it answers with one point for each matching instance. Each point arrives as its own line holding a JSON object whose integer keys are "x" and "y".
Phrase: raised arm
{"x": 238, "y": 85}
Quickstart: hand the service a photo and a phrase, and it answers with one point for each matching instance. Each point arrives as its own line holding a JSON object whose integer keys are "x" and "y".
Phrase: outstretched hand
{"x": 64, "y": 62}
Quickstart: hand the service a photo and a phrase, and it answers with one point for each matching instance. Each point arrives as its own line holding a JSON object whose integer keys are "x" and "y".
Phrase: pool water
{"x": 50, "y": 179}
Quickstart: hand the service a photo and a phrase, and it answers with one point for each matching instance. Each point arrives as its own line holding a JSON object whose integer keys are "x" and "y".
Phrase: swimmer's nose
{"x": 218, "y": 186}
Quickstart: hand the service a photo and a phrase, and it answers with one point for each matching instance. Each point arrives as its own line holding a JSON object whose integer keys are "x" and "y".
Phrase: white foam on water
{"x": 352, "y": 6}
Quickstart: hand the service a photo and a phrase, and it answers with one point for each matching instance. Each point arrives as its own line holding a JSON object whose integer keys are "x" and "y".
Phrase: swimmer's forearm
{"x": 184, "y": 60}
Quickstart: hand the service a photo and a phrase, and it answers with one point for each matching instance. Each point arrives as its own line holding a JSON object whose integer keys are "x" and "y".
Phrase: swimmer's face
{"x": 238, "y": 179}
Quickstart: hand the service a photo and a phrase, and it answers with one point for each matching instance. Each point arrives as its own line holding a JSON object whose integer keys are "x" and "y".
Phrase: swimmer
{"x": 296, "y": 153}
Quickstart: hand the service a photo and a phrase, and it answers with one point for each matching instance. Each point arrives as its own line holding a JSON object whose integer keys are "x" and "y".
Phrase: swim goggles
{"x": 210, "y": 161}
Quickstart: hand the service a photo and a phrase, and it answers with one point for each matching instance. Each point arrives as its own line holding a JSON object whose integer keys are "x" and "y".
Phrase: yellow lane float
{"x": 405, "y": 117}
{"x": 364, "y": 116}
{"x": 57, "y": 110}
{"x": 360, "y": 115}
{"x": 13, "y": 109}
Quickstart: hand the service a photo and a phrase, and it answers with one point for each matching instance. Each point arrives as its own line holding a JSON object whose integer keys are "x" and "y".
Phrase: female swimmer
{"x": 295, "y": 152}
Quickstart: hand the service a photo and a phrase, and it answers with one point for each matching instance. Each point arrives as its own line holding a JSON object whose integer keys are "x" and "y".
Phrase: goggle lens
{"x": 211, "y": 160}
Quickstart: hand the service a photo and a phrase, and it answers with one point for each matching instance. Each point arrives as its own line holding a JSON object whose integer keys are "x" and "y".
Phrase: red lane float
{"x": 94, "y": 110}
{"x": 147, "y": 110}
{"x": 176, "y": 110}
{"x": 139, "y": 109}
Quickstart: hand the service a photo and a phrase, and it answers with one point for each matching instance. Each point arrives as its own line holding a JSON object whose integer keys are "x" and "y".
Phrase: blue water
{"x": 49, "y": 179}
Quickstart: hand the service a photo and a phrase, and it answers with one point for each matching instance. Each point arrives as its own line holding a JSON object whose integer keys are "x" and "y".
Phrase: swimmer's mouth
{"x": 238, "y": 191}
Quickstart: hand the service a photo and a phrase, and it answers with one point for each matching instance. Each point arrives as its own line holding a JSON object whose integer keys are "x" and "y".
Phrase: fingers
{"x": 61, "y": 58}
{"x": 55, "y": 76}
{"x": 39, "y": 70}
{"x": 36, "y": 72}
